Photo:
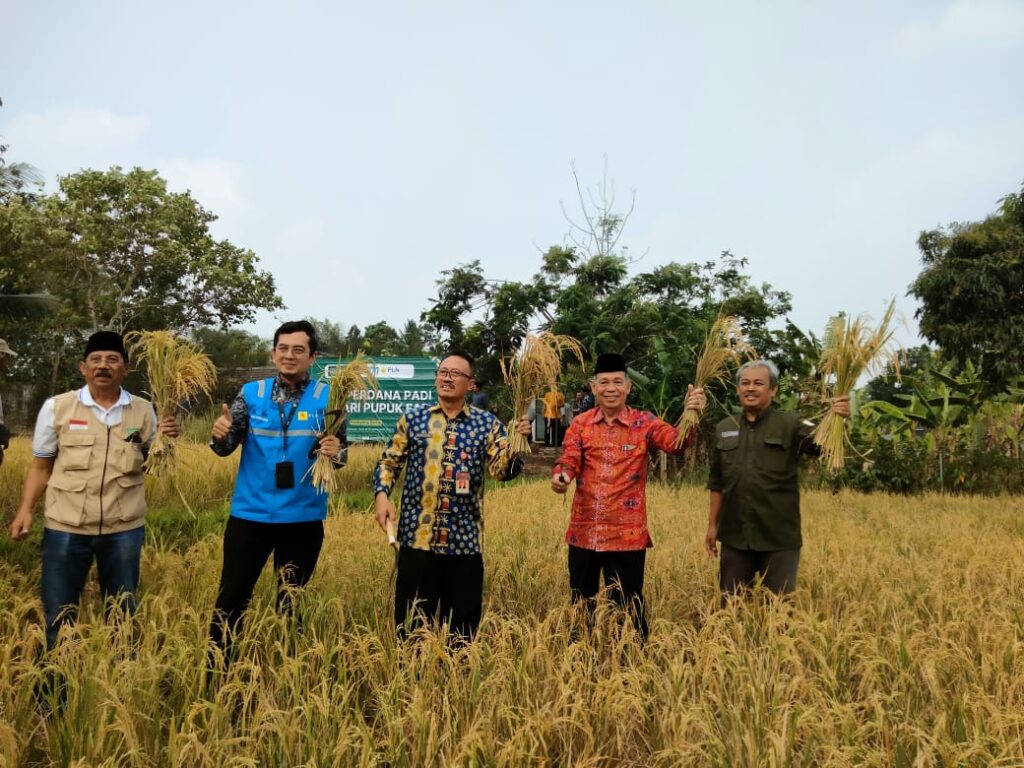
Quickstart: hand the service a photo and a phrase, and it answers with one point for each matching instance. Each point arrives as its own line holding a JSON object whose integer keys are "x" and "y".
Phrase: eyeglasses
{"x": 451, "y": 373}
{"x": 284, "y": 349}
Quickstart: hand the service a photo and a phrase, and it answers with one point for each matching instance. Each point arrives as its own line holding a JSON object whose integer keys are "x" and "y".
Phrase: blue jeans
{"x": 67, "y": 558}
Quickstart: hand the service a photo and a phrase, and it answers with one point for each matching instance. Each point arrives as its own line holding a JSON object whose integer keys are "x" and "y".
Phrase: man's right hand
{"x": 21, "y": 525}
{"x": 385, "y": 511}
{"x": 711, "y": 540}
{"x": 222, "y": 426}
{"x": 559, "y": 483}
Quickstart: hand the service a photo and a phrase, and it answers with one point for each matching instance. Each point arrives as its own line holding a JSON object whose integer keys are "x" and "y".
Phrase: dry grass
{"x": 725, "y": 347}
{"x": 176, "y": 372}
{"x": 903, "y": 646}
{"x": 536, "y": 366}
{"x": 851, "y": 348}
{"x": 355, "y": 375}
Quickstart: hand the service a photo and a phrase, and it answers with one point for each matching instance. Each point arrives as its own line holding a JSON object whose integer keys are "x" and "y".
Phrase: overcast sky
{"x": 361, "y": 148}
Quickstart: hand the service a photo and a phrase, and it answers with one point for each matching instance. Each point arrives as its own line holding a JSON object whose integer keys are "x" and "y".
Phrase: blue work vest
{"x": 257, "y": 496}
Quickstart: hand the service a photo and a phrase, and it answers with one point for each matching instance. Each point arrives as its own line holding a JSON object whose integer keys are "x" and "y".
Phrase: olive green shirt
{"x": 754, "y": 465}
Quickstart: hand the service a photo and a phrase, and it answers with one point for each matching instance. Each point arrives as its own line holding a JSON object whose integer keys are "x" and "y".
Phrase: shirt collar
{"x": 436, "y": 408}
{"x": 85, "y": 397}
{"x": 625, "y": 416}
{"x": 760, "y": 417}
{"x": 286, "y": 387}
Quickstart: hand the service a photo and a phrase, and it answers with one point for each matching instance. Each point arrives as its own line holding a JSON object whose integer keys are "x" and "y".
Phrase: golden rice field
{"x": 904, "y": 646}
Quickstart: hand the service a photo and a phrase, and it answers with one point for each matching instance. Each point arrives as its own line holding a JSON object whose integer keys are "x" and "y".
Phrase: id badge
{"x": 462, "y": 483}
{"x": 284, "y": 475}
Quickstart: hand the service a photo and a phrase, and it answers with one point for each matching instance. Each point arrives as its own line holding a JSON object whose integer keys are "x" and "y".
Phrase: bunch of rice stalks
{"x": 355, "y": 375}
{"x": 851, "y": 348}
{"x": 177, "y": 372}
{"x": 535, "y": 367}
{"x": 725, "y": 346}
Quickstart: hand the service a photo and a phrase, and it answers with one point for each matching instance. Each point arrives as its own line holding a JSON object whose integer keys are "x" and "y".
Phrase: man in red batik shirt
{"x": 606, "y": 451}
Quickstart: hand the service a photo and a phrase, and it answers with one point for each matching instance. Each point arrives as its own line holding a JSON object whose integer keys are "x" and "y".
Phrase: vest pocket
{"x": 75, "y": 451}
{"x": 65, "y": 499}
{"x": 131, "y": 500}
{"x": 127, "y": 457}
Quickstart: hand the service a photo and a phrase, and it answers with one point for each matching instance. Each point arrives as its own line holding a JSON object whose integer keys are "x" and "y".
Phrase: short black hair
{"x": 295, "y": 326}
{"x": 464, "y": 355}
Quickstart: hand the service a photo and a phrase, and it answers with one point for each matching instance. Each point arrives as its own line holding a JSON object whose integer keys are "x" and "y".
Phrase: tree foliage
{"x": 233, "y": 347}
{"x": 972, "y": 291}
{"x": 131, "y": 255}
{"x": 118, "y": 251}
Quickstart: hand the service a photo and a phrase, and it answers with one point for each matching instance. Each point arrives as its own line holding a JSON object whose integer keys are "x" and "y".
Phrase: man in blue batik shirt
{"x": 445, "y": 449}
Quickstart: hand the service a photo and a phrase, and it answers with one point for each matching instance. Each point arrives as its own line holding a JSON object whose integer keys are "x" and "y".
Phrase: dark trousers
{"x": 553, "y": 432}
{"x": 67, "y": 558}
{"x": 247, "y": 545}
{"x": 431, "y": 589}
{"x": 740, "y": 569}
{"x": 623, "y": 576}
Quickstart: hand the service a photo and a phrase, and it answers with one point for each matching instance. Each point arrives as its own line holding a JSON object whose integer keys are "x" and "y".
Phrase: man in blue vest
{"x": 275, "y": 507}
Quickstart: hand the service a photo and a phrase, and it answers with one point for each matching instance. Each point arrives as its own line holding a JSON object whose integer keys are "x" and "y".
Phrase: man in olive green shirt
{"x": 755, "y": 491}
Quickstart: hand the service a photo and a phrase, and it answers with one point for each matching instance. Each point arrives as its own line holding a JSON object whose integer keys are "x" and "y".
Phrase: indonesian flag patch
{"x": 77, "y": 424}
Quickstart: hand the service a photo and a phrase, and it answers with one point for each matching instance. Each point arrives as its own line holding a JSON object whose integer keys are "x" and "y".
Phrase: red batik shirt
{"x": 609, "y": 462}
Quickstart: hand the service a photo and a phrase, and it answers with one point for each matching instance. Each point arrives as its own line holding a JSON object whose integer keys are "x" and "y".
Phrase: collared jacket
{"x": 97, "y": 485}
{"x": 609, "y": 462}
{"x": 445, "y": 461}
{"x": 755, "y": 467}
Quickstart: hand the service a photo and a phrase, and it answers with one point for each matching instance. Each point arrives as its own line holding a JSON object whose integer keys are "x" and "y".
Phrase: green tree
{"x": 130, "y": 254}
{"x": 331, "y": 337}
{"x": 412, "y": 341}
{"x": 233, "y": 347}
{"x": 380, "y": 339}
{"x": 972, "y": 291}
{"x": 121, "y": 252}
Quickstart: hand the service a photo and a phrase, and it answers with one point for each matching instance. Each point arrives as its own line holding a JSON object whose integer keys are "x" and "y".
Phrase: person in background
{"x": 553, "y": 402}
{"x": 6, "y": 356}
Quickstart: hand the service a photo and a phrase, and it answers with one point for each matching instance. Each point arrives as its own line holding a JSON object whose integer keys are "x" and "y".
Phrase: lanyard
{"x": 285, "y": 424}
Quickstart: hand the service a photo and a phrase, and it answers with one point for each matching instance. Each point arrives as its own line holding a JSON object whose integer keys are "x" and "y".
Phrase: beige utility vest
{"x": 97, "y": 485}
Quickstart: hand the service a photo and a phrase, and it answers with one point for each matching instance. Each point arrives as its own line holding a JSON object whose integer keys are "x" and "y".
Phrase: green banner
{"x": 405, "y": 382}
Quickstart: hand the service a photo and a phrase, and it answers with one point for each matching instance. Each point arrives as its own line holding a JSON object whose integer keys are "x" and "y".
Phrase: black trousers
{"x": 623, "y": 575}
{"x": 553, "y": 432}
{"x": 247, "y": 545}
{"x": 431, "y": 589}
{"x": 740, "y": 568}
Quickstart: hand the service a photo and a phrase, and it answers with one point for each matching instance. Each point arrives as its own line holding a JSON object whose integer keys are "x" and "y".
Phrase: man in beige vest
{"x": 88, "y": 449}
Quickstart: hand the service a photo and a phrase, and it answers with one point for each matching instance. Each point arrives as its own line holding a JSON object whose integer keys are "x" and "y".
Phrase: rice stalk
{"x": 725, "y": 346}
{"x": 536, "y": 366}
{"x": 177, "y": 372}
{"x": 851, "y": 348}
{"x": 355, "y": 375}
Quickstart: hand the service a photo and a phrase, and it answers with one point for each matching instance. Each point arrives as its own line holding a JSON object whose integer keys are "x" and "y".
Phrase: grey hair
{"x": 773, "y": 370}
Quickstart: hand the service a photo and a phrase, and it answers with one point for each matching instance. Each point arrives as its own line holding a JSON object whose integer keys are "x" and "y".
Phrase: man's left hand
{"x": 695, "y": 398}
{"x": 169, "y": 426}
{"x": 330, "y": 446}
{"x": 841, "y": 406}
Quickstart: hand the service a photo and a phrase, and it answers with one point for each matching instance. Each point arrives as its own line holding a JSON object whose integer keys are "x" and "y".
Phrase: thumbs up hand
{"x": 222, "y": 426}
